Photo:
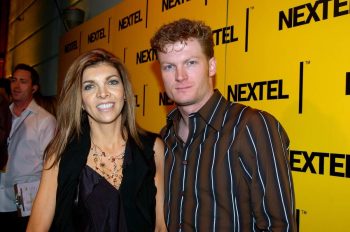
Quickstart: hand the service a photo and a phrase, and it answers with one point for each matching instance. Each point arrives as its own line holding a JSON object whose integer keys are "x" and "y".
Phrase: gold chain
{"x": 113, "y": 175}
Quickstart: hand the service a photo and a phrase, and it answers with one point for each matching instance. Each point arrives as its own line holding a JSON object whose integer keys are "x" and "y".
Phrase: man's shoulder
{"x": 43, "y": 118}
{"x": 252, "y": 116}
{"x": 41, "y": 111}
{"x": 245, "y": 114}
{"x": 238, "y": 110}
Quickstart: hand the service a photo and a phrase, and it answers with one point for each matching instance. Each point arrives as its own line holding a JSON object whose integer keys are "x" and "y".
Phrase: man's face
{"x": 187, "y": 74}
{"x": 22, "y": 89}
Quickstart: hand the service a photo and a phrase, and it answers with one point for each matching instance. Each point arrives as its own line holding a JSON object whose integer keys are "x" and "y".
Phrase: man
{"x": 32, "y": 129}
{"x": 226, "y": 164}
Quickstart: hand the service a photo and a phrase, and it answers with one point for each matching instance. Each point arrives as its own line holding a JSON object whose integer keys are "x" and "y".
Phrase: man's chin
{"x": 183, "y": 103}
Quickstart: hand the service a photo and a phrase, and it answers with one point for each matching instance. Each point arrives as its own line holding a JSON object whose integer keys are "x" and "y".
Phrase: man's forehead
{"x": 20, "y": 73}
{"x": 179, "y": 45}
{"x": 174, "y": 47}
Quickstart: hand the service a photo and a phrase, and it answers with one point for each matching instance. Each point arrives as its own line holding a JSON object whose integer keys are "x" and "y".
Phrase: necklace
{"x": 109, "y": 166}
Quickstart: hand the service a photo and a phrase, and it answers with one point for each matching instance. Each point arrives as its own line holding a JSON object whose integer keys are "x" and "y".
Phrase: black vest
{"x": 137, "y": 190}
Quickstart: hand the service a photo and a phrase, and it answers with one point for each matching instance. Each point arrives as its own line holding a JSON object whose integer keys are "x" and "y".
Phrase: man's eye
{"x": 191, "y": 62}
{"x": 168, "y": 67}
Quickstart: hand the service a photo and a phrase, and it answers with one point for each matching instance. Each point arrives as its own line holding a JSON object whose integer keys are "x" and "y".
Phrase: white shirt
{"x": 29, "y": 136}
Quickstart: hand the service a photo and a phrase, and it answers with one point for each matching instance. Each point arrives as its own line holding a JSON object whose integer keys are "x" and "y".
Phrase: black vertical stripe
{"x": 246, "y": 29}
{"x": 298, "y": 219}
{"x": 146, "y": 13}
{"x": 347, "y": 87}
{"x": 109, "y": 29}
{"x": 301, "y": 82}
{"x": 124, "y": 58}
{"x": 144, "y": 100}
{"x": 80, "y": 43}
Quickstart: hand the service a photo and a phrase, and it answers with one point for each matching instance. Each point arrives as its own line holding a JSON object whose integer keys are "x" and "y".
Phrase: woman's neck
{"x": 107, "y": 137}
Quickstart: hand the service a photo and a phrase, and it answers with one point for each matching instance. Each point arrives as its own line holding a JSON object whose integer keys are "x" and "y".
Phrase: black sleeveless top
{"x": 98, "y": 204}
{"x": 137, "y": 191}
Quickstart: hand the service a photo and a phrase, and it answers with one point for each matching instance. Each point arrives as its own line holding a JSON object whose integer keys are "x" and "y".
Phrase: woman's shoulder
{"x": 148, "y": 138}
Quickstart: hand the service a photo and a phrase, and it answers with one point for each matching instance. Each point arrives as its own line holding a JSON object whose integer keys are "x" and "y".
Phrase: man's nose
{"x": 180, "y": 74}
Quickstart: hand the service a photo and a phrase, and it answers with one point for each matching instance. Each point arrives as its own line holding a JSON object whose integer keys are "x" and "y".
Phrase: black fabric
{"x": 99, "y": 206}
{"x": 5, "y": 128}
{"x": 11, "y": 222}
{"x": 72, "y": 161}
{"x": 137, "y": 189}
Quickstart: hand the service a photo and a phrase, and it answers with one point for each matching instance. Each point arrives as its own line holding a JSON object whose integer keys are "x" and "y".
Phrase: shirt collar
{"x": 32, "y": 107}
{"x": 209, "y": 112}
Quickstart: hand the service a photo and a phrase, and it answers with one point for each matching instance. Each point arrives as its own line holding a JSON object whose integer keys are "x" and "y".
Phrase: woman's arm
{"x": 44, "y": 204}
{"x": 159, "y": 182}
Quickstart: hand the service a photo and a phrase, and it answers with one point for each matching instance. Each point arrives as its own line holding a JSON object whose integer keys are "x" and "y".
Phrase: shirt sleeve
{"x": 47, "y": 130}
{"x": 265, "y": 158}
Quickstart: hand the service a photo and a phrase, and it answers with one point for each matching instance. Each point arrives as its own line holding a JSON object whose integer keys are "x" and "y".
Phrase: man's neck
{"x": 20, "y": 106}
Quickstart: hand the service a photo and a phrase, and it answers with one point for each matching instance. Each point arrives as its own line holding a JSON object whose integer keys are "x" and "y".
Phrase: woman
{"x": 102, "y": 173}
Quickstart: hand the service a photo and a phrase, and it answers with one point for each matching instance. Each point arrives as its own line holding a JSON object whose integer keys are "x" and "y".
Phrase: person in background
{"x": 32, "y": 129}
{"x": 226, "y": 164}
{"x": 102, "y": 172}
{"x": 5, "y": 121}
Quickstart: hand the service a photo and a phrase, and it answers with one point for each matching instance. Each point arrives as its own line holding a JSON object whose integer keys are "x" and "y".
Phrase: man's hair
{"x": 182, "y": 30}
{"x": 33, "y": 73}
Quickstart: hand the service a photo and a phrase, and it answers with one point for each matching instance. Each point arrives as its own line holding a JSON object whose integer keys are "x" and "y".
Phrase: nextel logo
{"x": 71, "y": 46}
{"x": 94, "y": 36}
{"x": 168, "y": 4}
{"x": 262, "y": 90}
{"x": 130, "y": 20}
{"x": 318, "y": 162}
{"x": 317, "y": 11}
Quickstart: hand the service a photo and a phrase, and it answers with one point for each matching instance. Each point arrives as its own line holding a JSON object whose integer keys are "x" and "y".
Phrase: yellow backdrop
{"x": 289, "y": 58}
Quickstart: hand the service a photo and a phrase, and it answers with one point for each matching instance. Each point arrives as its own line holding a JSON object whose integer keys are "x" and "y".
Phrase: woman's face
{"x": 103, "y": 94}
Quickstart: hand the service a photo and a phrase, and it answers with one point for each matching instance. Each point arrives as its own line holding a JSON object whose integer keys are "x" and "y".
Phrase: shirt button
{"x": 180, "y": 225}
{"x": 182, "y": 193}
{"x": 184, "y": 162}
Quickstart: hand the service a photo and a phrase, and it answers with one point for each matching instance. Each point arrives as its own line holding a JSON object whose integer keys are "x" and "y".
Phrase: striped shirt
{"x": 232, "y": 173}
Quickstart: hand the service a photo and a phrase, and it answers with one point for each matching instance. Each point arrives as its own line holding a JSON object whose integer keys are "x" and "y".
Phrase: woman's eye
{"x": 88, "y": 87}
{"x": 114, "y": 82}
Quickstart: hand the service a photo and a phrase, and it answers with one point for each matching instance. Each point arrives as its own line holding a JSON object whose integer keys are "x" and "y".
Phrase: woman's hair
{"x": 180, "y": 31}
{"x": 70, "y": 114}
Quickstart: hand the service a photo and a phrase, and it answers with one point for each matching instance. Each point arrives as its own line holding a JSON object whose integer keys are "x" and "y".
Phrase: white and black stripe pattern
{"x": 232, "y": 174}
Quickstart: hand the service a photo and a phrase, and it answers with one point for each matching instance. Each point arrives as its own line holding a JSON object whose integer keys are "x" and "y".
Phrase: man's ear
{"x": 34, "y": 88}
{"x": 212, "y": 67}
